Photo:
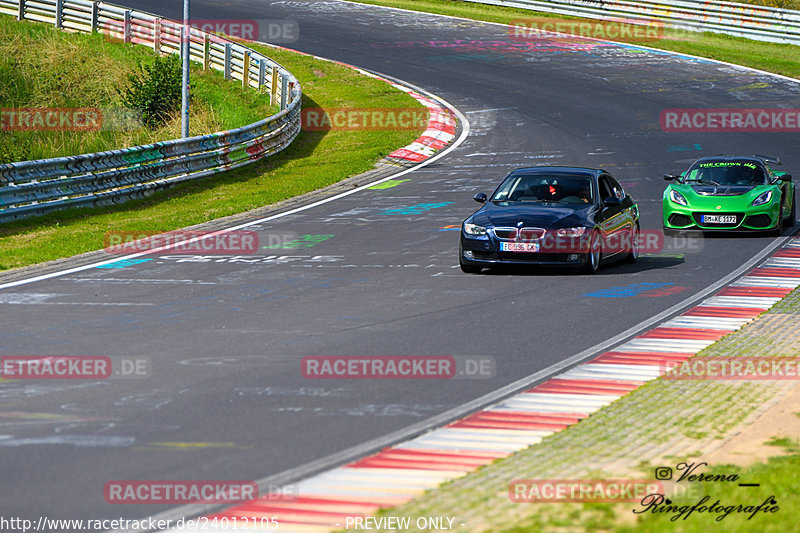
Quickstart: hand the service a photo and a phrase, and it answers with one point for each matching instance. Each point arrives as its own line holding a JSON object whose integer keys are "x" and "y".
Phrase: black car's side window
{"x": 616, "y": 188}
{"x": 605, "y": 187}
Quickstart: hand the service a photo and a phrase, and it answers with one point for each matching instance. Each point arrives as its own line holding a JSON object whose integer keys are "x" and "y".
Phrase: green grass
{"x": 785, "y": 4}
{"x": 777, "y": 58}
{"x": 41, "y": 67}
{"x": 314, "y": 160}
{"x": 777, "y": 478}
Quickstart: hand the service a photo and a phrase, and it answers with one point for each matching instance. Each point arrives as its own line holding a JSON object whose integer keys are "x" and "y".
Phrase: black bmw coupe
{"x": 551, "y": 216}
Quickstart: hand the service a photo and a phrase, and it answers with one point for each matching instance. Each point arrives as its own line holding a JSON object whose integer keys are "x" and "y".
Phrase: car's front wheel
{"x": 633, "y": 255}
{"x": 776, "y": 232}
{"x": 592, "y": 258}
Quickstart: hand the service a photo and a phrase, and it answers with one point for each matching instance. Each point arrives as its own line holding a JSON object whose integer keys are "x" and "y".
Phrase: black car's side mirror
{"x": 785, "y": 177}
{"x": 671, "y": 177}
{"x": 480, "y": 198}
{"x": 612, "y": 201}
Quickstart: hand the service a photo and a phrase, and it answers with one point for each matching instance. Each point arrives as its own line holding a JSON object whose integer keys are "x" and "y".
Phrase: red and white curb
{"x": 440, "y": 132}
{"x": 442, "y": 122}
{"x": 400, "y": 473}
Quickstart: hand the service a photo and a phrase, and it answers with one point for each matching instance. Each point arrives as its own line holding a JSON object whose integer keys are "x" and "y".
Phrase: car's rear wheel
{"x": 633, "y": 256}
{"x": 592, "y": 258}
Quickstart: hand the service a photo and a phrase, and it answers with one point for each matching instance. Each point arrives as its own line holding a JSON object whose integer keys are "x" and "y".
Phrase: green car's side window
{"x": 692, "y": 175}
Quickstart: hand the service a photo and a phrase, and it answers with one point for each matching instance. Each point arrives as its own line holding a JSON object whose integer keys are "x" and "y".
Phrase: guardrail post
{"x": 21, "y": 13}
{"x": 59, "y": 13}
{"x": 127, "y": 26}
{"x": 227, "y": 61}
{"x": 157, "y": 36}
{"x": 262, "y": 72}
{"x": 206, "y": 52}
{"x": 95, "y": 9}
{"x": 284, "y": 91}
{"x": 273, "y": 89}
{"x": 246, "y": 70}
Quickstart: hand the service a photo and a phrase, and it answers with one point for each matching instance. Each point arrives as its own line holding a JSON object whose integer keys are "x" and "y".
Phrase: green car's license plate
{"x": 718, "y": 219}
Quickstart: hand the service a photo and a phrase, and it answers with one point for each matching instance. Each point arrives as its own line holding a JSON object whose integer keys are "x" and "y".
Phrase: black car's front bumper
{"x": 485, "y": 251}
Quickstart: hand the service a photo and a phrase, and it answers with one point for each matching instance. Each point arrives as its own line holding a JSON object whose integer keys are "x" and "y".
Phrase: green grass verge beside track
{"x": 42, "y": 67}
{"x": 777, "y": 58}
{"x": 314, "y": 160}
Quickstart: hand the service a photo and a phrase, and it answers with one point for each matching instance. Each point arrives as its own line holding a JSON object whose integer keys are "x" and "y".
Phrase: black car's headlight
{"x": 677, "y": 197}
{"x": 570, "y": 232}
{"x": 763, "y": 198}
{"x": 474, "y": 229}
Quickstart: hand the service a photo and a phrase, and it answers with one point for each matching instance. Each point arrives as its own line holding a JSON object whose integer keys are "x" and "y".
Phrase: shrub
{"x": 155, "y": 90}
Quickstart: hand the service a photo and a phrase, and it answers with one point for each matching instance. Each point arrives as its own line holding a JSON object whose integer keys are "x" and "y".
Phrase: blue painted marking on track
{"x": 122, "y": 263}
{"x": 684, "y": 148}
{"x": 627, "y": 290}
{"x": 417, "y": 209}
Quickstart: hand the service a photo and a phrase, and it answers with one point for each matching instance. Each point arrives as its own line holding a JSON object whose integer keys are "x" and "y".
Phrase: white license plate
{"x": 718, "y": 219}
{"x": 519, "y": 246}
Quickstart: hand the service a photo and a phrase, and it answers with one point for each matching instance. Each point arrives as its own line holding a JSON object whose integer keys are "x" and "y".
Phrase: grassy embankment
{"x": 84, "y": 71}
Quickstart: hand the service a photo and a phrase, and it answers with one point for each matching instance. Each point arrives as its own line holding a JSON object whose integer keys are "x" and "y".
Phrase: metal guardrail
{"x": 36, "y": 187}
{"x": 742, "y": 20}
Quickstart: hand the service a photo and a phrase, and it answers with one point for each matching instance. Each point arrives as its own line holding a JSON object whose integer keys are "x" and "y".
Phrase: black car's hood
{"x": 722, "y": 190}
{"x": 533, "y": 215}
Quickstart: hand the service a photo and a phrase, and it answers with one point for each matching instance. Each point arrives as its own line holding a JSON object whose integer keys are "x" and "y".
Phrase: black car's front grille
{"x": 699, "y": 216}
{"x": 506, "y": 234}
{"x": 530, "y": 234}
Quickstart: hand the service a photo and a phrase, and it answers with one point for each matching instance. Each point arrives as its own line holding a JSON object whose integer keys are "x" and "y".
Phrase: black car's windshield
{"x": 726, "y": 173}
{"x": 542, "y": 188}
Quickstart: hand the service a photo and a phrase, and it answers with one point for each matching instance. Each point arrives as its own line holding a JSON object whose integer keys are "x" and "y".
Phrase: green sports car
{"x": 730, "y": 193}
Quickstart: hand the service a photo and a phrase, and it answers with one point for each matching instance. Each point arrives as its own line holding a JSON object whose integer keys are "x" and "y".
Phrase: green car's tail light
{"x": 677, "y": 197}
{"x": 763, "y": 198}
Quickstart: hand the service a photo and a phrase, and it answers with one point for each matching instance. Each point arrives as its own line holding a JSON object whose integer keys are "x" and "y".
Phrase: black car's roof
{"x": 557, "y": 170}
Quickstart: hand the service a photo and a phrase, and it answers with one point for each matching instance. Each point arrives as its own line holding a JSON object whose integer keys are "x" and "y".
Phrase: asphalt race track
{"x": 226, "y": 399}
